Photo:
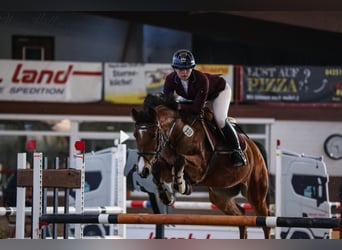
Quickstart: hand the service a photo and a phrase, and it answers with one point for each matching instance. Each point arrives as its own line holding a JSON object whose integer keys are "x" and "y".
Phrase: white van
{"x": 303, "y": 193}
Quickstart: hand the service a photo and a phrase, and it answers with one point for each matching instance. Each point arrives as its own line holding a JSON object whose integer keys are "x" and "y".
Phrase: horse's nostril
{"x": 145, "y": 172}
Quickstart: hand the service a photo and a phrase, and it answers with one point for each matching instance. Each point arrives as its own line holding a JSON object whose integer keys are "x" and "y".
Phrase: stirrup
{"x": 238, "y": 158}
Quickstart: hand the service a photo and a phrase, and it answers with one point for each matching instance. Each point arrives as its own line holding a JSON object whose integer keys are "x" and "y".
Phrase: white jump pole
{"x": 21, "y": 196}
{"x": 79, "y": 195}
{"x": 278, "y": 191}
{"x": 37, "y": 193}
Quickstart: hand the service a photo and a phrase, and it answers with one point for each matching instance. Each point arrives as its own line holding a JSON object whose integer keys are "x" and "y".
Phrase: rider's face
{"x": 184, "y": 74}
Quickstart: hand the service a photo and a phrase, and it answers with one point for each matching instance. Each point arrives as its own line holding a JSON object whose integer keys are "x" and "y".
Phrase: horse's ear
{"x": 134, "y": 114}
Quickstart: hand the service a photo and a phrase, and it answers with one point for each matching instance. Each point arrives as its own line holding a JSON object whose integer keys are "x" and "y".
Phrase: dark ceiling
{"x": 244, "y": 27}
{"x": 253, "y": 37}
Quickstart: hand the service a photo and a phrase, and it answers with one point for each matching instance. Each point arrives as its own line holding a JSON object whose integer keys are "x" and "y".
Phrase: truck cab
{"x": 304, "y": 193}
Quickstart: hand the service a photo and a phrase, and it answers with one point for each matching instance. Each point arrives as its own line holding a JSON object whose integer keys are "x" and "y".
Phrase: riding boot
{"x": 230, "y": 136}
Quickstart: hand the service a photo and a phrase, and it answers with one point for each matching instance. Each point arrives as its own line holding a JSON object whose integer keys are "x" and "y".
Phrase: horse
{"x": 175, "y": 149}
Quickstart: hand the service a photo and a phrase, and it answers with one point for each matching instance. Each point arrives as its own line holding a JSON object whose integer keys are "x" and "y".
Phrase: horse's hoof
{"x": 166, "y": 199}
{"x": 172, "y": 201}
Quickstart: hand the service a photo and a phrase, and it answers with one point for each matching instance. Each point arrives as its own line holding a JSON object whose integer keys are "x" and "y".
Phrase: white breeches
{"x": 220, "y": 106}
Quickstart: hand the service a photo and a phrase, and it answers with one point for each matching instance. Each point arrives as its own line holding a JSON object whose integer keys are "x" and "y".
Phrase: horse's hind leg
{"x": 261, "y": 209}
{"x": 258, "y": 187}
{"x": 224, "y": 199}
{"x": 257, "y": 196}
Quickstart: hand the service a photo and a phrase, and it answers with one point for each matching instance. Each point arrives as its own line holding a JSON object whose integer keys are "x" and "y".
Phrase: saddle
{"x": 214, "y": 134}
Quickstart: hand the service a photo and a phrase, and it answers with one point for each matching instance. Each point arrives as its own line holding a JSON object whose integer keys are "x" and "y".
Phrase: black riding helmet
{"x": 183, "y": 59}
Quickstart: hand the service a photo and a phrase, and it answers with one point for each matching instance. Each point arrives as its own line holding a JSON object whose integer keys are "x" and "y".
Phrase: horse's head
{"x": 147, "y": 135}
{"x": 147, "y": 130}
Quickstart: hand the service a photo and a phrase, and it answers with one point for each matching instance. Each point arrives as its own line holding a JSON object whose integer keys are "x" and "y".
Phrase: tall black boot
{"x": 238, "y": 157}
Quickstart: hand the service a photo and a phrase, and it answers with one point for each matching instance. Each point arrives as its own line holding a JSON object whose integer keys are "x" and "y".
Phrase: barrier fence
{"x": 79, "y": 214}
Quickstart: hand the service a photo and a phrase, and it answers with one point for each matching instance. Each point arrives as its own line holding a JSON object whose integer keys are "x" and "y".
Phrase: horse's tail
{"x": 264, "y": 155}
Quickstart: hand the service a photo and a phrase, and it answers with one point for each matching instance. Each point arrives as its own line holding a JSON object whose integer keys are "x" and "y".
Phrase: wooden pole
{"x": 189, "y": 219}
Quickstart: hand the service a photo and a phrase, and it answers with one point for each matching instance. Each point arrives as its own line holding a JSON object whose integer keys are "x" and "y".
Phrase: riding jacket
{"x": 202, "y": 87}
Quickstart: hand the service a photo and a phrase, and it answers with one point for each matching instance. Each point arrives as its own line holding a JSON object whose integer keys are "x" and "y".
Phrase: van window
{"x": 313, "y": 187}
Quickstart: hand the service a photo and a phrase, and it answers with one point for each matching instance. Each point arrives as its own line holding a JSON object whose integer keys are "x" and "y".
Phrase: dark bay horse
{"x": 175, "y": 149}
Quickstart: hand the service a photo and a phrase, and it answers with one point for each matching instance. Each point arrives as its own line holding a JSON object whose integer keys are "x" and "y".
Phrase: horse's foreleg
{"x": 179, "y": 183}
{"x": 163, "y": 192}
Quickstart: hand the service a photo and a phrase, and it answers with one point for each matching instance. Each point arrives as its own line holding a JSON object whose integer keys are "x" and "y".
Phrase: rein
{"x": 172, "y": 131}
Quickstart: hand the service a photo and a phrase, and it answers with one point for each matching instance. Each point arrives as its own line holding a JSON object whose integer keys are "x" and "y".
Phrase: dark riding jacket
{"x": 202, "y": 87}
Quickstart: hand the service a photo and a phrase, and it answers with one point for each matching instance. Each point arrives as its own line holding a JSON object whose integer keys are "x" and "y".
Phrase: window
{"x": 32, "y": 47}
{"x": 313, "y": 187}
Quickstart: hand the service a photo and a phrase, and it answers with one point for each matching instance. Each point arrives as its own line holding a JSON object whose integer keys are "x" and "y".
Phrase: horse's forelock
{"x": 143, "y": 117}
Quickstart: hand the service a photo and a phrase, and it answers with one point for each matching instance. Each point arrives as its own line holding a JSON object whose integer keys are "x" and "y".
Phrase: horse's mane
{"x": 156, "y": 99}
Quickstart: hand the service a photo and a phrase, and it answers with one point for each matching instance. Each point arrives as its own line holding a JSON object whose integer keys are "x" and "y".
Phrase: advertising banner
{"x": 302, "y": 84}
{"x": 129, "y": 83}
{"x": 48, "y": 81}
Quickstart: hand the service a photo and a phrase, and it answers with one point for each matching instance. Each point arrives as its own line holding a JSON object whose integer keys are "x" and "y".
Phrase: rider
{"x": 194, "y": 88}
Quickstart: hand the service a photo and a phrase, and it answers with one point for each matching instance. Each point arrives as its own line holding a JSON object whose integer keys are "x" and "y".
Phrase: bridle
{"x": 158, "y": 149}
{"x": 162, "y": 140}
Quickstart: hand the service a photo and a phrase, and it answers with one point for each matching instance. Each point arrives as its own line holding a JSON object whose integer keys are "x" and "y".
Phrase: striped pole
{"x": 185, "y": 219}
{"x": 335, "y": 205}
{"x": 182, "y": 205}
{"x": 10, "y": 211}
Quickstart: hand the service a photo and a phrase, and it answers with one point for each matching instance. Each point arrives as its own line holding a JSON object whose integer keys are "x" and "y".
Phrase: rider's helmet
{"x": 183, "y": 59}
